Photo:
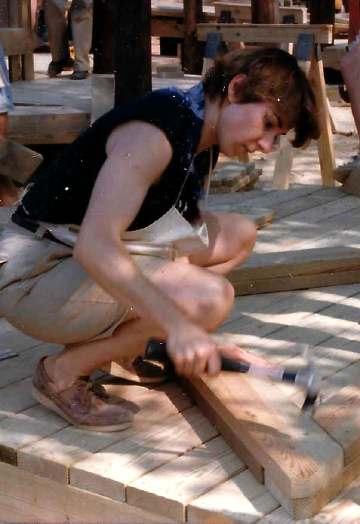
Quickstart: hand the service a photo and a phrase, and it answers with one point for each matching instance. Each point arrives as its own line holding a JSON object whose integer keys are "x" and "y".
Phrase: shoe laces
{"x": 94, "y": 389}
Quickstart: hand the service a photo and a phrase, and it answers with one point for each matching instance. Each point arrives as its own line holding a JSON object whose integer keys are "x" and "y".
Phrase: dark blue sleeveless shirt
{"x": 62, "y": 190}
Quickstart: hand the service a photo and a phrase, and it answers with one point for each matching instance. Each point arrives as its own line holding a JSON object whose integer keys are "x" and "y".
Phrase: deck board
{"x": 110, "y": 471}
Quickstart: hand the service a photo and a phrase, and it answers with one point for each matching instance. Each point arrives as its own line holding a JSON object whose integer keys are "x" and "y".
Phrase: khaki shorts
{"x": 46, "y": 294}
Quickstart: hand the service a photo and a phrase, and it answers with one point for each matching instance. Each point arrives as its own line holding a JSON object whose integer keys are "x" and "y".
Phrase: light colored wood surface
{"x": 17, "y": 40}
{"x": 32, "y": 497}
{"x": 109, "y": 472}
{"x": 54, "y": 456}
{"x": 277, "y": 33}
{"x": 275, "y": 432}
{"x": 191, "y": 475}
{"x": 162, "y": 461}
{"x": 240, "y": 499}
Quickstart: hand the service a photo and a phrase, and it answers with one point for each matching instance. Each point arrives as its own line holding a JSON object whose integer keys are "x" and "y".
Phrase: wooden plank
{"x": 25, "y": 428}
{"x": 278, "y": 33}
{"x": 343, "y": 512}
{"x": 284, "y": 440}
{"x": 231, "y": 183}
{"x": 240, "y": 499}
{"x": 328, "y": 194}
{"x": 74, "y": 505}
{"x": 245, "y": 306}
{"x": 324, "y": 142}
{"x": 173, "y": 486}
{"x": 265, "y": 198}
{"x": 18, "y": 341}
{"x": 52, "y": 457}
{"x": 15, "y": 398}
{"x": 242, "y": 13}
{"x": 289, "y": 322}
{"x": 15, "y": 41}
{"x": 47, "y": 126}
{"x": 301, "y": 509}
{"x": 298, "y": 334}
{"x": 339, "y": 417}
{"x": 324, "y": 227}
{"x": 300, "y": 282}
{"x": 227, "y": 429}
{"x": 288, "y": 263}
{"x": 110, "y": 471}
{"x": 18, "y": 162}
{"x": 283, "y": 165}
{"x": 23, "y": 366}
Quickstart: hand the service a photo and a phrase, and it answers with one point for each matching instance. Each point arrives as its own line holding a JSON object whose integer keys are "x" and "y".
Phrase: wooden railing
{"x": 16, "y": 38}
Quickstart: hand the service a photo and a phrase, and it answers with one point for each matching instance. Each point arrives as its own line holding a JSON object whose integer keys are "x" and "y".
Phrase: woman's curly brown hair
{"x": 272, "y": 75}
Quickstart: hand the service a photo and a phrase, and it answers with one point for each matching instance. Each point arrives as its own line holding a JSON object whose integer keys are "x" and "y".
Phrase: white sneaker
{"x": 342, "y": 172}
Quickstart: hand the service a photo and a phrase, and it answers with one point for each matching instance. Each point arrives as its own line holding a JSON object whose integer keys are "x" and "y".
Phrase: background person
{"x": 9, "y": 193}
{"x": 81, "y": 16}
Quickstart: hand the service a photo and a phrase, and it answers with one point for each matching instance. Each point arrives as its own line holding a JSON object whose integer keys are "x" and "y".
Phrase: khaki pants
{"x": 46, "y": 294}
{"x": 81, "y": 16}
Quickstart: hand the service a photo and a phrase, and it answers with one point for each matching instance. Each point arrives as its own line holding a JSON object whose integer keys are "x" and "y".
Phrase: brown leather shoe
{"x": 138, "y": 370}
{"x": 81, "y": 404}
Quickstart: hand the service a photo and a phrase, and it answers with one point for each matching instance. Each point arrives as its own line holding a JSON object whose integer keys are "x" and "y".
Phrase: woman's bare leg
{"x": 205, "y": 298}
{"x": 231, "y": 240}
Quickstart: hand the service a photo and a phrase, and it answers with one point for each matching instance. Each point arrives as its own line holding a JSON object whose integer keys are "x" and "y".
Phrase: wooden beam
{"x": 317, "y": 267}
{"x": 273, "y": 430}
{"x": 15, "y": 40}
{"x": 265, "y": 11}
{"x": 325, "y": 142}
{"x": 322, "y": 11}
{"x": 279, "y": 33}
{"x": 38, "y": 498}
{"x": 242, "y": 13}
{"x": 104, "y": 35}
{"x": 193, "y": 55}
{"x": 133, "y": 50}
{"x": 18, "y": 162}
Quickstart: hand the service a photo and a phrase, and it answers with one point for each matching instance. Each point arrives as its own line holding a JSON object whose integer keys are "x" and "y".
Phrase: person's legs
{"x": 81, "y": 16}
{"x": 350, "y": 69}
{"x": 205, "y": 297}
{"x": 57, "y": 29}
{"x": 231, "y": 240}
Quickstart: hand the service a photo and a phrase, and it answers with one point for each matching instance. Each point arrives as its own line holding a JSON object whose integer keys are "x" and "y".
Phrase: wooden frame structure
{"x": 16, "y": 39}
{"x": 242, "y": 13}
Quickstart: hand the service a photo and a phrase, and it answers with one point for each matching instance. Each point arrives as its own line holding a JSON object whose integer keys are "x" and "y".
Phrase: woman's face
{"x": 247, "y": 127}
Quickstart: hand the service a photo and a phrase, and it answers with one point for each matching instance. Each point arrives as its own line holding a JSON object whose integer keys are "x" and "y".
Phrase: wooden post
{"x": 104, "y": 31}
{"x": 265, "y": 12}
{"x": 132, "y": 50}
{"x": 193, "y": 50}
{"x": 322, "y": 11}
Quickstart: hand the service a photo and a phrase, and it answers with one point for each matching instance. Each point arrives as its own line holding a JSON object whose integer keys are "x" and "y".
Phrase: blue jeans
{"x": 6, "y": 101}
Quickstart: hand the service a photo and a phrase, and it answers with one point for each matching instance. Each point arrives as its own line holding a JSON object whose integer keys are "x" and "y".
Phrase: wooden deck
{"x": 173, "y": 465}
{"x": 57, "y": 110}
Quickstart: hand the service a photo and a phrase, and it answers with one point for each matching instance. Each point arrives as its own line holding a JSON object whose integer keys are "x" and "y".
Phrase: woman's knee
{"x": 213, "y": 301}
{"x": 242, "y": 237}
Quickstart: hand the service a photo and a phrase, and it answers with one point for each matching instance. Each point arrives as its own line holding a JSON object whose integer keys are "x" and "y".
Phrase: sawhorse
{"x": 313, "y": 66}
